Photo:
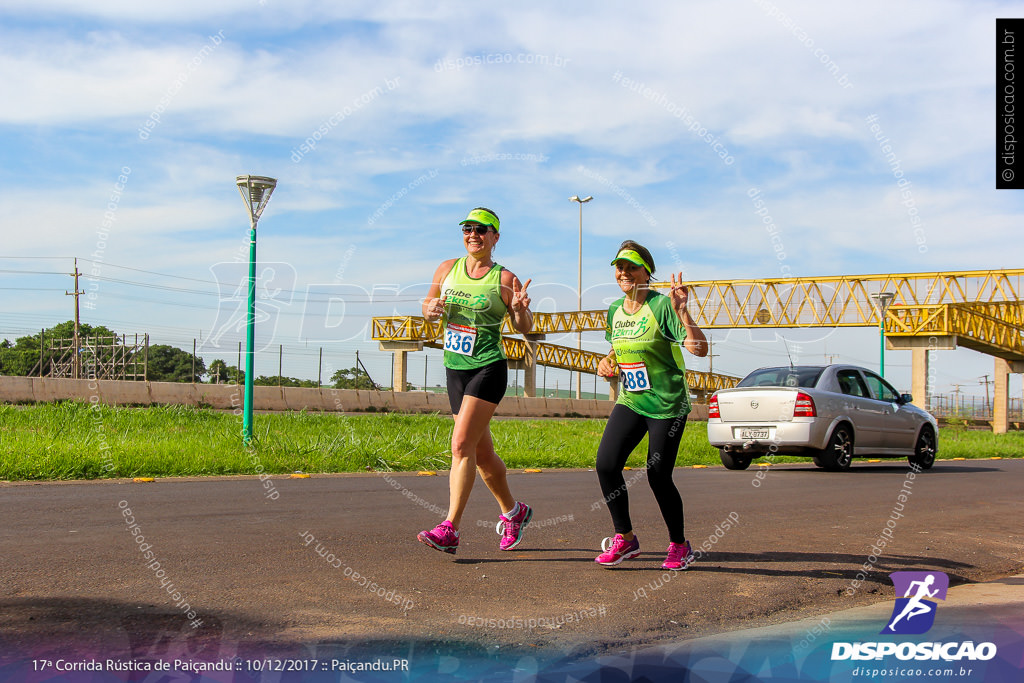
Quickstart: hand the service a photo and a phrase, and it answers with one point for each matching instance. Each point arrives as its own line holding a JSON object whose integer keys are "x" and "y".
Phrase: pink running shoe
{"x": 441, "y": 537}
{"x": 620, "y": 550}
{"x": 512, "y": 533}
{"x": 680, "y": 556}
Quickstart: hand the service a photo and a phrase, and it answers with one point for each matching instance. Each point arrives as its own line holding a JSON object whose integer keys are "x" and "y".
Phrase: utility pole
{"x": 76, "y": 367}
{"x": 956, "y": 398}
{"x": 711, "y": 356}
{"x": 829, "y": 357}
{"x": 986, "y": 381}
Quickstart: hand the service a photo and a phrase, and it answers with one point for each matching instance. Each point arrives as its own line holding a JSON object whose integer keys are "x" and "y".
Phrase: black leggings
{"x": 624, "y": 431}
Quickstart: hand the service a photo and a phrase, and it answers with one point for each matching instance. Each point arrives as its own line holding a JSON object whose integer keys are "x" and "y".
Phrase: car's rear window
{"x": 798, "y": 376}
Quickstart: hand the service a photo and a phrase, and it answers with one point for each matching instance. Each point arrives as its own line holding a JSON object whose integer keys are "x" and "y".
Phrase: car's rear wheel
{"x": 924, "y": 450}
{"x": 734, "y": 461}
{"x": 838, "y": 454}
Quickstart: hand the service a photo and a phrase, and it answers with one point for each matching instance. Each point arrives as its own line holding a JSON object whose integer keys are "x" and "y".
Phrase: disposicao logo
{"x": 914, "y": 614}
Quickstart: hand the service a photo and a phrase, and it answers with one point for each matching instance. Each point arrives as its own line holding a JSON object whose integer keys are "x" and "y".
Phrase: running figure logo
{"x": 913, "y": 613}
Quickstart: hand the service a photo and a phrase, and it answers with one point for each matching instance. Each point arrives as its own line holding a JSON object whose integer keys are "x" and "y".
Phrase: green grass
{"x": 957, "y": 442}
{"x": 75, "y": 440}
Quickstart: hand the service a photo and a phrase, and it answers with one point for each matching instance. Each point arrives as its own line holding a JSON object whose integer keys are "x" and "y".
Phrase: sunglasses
{"x": 478, "y": 229}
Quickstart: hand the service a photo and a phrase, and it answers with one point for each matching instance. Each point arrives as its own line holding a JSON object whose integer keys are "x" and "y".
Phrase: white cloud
{"x": 473, "y": 83}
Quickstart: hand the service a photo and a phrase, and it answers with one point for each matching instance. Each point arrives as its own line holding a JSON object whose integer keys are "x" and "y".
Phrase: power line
{"x": 102, "y": 263}
{"x": 153, "y": 272}
{"x": 170, "y": 288}
{"x": 33, "y": 289}
{"x": 185, "y": 290}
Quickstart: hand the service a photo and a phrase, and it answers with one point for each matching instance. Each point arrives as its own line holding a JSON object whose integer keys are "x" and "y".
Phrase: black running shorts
{"x": 487, "y": 384}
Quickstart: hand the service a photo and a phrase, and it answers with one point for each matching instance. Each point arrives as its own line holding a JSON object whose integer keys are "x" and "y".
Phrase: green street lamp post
{"x": 255, "y": 191}
{"x": 579, "y": 289}
{"x": 882, "y": 301}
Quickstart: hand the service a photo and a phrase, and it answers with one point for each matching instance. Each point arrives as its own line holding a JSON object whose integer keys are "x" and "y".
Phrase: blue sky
{"x": 669, "y": 113}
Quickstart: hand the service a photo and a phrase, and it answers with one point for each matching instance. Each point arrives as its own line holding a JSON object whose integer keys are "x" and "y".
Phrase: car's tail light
{"x": 804, "y": 406}
{"x": 713, "y": 408}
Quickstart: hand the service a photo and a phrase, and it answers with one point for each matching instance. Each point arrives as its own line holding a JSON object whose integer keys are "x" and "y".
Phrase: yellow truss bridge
{"x": 398, "y": 333}
{"x": 982, "y": 308}
{"x": 979, "y": 309}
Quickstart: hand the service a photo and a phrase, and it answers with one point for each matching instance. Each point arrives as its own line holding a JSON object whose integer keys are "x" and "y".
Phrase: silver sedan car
{"x": 830, "y": 412}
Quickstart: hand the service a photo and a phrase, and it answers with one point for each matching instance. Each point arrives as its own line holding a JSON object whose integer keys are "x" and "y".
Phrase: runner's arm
{"x": 513, "y": 293}
{"x": 433, "y": 305}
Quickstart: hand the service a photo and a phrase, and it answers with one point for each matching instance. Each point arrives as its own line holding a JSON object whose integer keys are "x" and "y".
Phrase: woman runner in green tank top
{"x": 471, "y": 296}
{"x": 474, "y": 310}
{"x": 645, "y": 329}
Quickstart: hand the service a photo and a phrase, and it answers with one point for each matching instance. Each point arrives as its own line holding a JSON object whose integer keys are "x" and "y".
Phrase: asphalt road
{"x": 230, "y": 566}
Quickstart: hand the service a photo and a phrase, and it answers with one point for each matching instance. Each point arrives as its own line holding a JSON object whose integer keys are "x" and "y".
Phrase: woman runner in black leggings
{"x": 645, "y": 329}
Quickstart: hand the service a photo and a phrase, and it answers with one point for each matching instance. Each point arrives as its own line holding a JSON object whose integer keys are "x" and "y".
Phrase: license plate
{"x": 753, "y": 433}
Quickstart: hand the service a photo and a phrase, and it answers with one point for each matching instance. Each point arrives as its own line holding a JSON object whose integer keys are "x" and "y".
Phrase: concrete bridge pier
{"x": 921, "y": 381}
{"x": 400, "y": 367}
{"x": 1001, "y": 400}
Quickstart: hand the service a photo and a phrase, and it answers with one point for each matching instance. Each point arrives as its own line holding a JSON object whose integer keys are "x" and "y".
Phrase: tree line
{"x": 163, "y": 363}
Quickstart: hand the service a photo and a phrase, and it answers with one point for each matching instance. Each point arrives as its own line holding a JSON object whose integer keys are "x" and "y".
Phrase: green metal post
{"x": 255, "y": 191}
{"x": 249, "y": 334}
{"x": 882, "y": 301}
{"x": 881, "y": 348}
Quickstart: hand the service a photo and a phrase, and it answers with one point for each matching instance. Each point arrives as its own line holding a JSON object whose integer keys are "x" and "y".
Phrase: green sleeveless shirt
{"x": 652, "y": 375}
{"x": 474, "y": 311}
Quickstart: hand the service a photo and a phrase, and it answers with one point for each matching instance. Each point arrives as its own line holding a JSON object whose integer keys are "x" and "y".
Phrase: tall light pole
{"x": 579, "y": 290}
{"x": 255, "y": 191}
{"x": 882, "y": 301}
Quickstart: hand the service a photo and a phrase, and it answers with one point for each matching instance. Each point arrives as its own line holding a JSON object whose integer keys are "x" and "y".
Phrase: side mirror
{"x": 906, "y": 398}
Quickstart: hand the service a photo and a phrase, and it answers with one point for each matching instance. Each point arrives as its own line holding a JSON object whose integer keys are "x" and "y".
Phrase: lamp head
{"x": 882, "y": 300}
{"x": 255, "y": 191}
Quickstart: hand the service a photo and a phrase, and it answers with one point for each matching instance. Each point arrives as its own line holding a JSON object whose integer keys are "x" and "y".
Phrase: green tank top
{"x": 652, "y": 375}
{"x": 474, "y": 311}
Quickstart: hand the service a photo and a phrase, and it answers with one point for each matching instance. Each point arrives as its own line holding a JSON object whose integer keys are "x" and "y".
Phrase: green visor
{"x": 482, "y": 217}
{"x": 633, "y": 257}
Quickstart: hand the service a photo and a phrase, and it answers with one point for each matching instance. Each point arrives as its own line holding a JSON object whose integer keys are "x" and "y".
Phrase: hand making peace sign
{"x": 520, "y": 299}
{"x": 680, "y": 293}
